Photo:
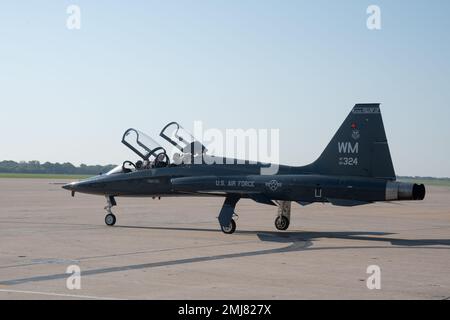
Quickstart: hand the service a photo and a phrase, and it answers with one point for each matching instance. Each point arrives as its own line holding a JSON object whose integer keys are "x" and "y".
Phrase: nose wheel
{"x": 110, "y": 219}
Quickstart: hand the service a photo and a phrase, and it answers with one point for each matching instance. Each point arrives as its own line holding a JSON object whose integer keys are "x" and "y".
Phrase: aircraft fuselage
{"x": 291, "y": 184}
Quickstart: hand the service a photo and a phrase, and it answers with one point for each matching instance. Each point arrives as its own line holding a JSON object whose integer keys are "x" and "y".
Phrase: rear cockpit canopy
{"x": 181, "y": 139}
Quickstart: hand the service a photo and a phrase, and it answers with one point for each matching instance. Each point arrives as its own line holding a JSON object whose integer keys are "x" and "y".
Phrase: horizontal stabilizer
{"x": 347, "y": 203}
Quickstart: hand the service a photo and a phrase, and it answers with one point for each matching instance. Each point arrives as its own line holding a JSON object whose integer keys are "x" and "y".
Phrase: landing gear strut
{"x": 110, "y": 218}
{"x": 284, "y": 215}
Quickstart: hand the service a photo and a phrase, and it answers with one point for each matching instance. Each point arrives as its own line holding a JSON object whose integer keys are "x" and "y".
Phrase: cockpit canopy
{"x": 181, "y": 139}
{"x": 141, "y": 144}
{"x": 153, "y": 155}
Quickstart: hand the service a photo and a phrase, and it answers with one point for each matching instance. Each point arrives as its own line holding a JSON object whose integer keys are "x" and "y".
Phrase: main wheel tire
{"x": 110, "y": 219}
{"x": 230, "y": 229}
{"x": 282, "y": 223}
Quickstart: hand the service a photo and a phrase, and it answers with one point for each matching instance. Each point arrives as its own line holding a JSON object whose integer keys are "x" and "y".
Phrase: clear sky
{"x": 300, "y": 66}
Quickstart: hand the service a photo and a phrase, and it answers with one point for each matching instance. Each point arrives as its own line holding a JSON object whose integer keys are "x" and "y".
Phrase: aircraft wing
{"x": 257, "y": 188}
{"x": 213, "y": 184}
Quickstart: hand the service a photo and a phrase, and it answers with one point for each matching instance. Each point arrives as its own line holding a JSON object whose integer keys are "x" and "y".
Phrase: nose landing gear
{"x": 110, "y": 218}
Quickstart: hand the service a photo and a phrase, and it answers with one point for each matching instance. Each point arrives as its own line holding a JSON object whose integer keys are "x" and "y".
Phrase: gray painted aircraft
{"x": 354, "y": 169}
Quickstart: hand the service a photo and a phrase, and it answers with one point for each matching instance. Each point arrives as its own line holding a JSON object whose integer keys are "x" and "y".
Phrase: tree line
{"x": 9, "y": 166}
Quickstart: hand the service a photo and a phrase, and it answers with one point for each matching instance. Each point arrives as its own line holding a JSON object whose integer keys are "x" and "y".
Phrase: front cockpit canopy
{"x": 181, "y": 139}
{"x": 141, "y": 144}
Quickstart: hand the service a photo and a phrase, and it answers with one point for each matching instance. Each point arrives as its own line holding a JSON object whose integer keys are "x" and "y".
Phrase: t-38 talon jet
{"x": 354, "y": 169}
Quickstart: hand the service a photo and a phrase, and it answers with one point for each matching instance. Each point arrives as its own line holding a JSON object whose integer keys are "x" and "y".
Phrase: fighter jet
{"x": 354, "y": 169}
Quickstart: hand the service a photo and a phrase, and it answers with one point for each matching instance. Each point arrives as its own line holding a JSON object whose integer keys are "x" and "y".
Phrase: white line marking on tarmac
{"x": 58, "y": 294}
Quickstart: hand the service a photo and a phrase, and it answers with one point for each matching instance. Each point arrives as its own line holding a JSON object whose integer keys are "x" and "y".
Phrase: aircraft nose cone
{"x": 89, "y": 186}
{"x": 70, "y": 186}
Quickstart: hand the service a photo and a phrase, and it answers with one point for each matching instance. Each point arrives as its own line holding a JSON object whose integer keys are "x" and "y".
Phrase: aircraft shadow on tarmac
{"x": 298, "y": 241}
{"x": 308, "y": 236}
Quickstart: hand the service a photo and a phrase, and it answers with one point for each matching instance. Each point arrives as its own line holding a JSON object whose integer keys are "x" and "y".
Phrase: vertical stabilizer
{"x": 359, "y": 147}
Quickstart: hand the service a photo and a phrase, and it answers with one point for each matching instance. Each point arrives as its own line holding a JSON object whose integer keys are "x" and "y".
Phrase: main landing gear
{"x": 227, "y": 223}
{"x": 110, "y": 218}
{"x": 283, "y": 219}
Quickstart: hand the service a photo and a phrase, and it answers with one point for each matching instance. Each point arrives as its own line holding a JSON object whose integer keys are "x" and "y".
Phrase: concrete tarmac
{"x": 173, "y": 248}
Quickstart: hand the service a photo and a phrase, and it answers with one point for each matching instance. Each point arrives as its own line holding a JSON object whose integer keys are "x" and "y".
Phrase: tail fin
{"x": 359, "y": 147}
